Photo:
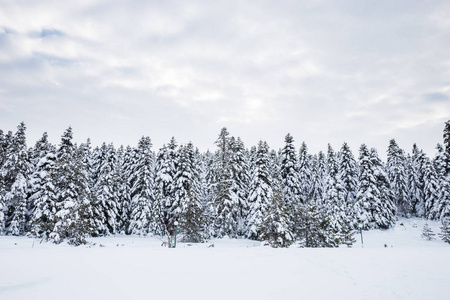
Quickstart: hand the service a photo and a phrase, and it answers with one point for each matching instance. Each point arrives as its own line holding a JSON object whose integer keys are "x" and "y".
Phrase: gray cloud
{"x": 324, "y": 71}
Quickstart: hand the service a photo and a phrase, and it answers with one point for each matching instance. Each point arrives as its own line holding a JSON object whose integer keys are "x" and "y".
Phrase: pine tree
{"x": 374, "y": 207}
{"x": 427, "y": 233}
{"x": 289, "y": 175}
{"x": 319, "y": 174}
{"x": 141, "y": 191}
{"x": 445, "y": 230}
{"x": 225, "y": 222}
{"x": 16, "y": 171}
{"x": 188, "y": 195}
{"x": 275, "y": 227}
{"x": 397, "y": 172}
{"x": 260, "y": 193}
{"x": 240, "y": 180}
{"x": 167, "y": 208}
{"x": 348, "y": 174}
{"x": 304, "y": 173}
{"x": 104, "y": 189}
{"x": 431, "y": 191}
{"x": 314, "y": 230}
{"x": 43, "y": 196}
{"x": 416, "y": 182}
{"x": 71, "y": 184}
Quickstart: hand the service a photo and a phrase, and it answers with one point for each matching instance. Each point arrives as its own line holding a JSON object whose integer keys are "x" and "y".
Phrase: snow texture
{"x": 394, "y": 264}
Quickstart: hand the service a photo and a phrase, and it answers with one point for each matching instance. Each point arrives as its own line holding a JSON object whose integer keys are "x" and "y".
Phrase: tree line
{"x": 70, "y": 191}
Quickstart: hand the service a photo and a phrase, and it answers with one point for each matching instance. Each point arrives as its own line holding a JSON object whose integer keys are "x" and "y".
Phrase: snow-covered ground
{"x": 124, "y": 267}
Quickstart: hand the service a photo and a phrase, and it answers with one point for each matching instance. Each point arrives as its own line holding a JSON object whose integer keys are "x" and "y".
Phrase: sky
{"x": 323, "y": 71}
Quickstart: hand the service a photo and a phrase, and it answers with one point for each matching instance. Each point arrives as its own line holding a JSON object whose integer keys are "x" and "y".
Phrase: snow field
{"x": 139, "y": 268}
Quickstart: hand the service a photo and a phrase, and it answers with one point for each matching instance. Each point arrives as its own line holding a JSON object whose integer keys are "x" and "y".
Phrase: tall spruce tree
{"x": 71, "y": 185}
{"x": 397, "y": 169}
{"x": 225, "y": 222}
{"x": 289, "y": 175}
{"x": 240, "y": 180}
{"x": 304, "y": 173}
{"x": 374, "y": 207}
{"x": 260, "y": 193}
{"x": 167, "y": 207}
{"x": 141, "y": 191}
{"x": 416, "y": 182}
{"x": 188, "y": 193}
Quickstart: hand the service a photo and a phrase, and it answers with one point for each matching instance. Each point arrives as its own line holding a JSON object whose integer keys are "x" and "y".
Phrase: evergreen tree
{"x": 260, "y": 193}
{"x": 141, "y": 191}
{"x": 319, "y": 175}
{"x": 289, "y": 175}
{"x": 397, "y": 172}
{"x": 167, "y": 208}
{"x": 416, "y": 182}
{"x": 225, "y": 222}
{"x": 427, "y": 233}
{"x": 431, "y": 191}
{"x": 104, "y": 189}
{"x": 445, "y": 230}
{"x": 240, "y": 180}
{"x": 374, "y": 207}
{"x": 44, "y": 197}
{"x": 447, "y": 148}
{"x": 16, "y": 171}
{"x": 188, "y": 195}
{"x": 348, "y": 174}
{"x": 314, "y": 230}
{"x": 275, "y": 227}
{"x": 304, "y": 173}
{"x": 71, "y": 184}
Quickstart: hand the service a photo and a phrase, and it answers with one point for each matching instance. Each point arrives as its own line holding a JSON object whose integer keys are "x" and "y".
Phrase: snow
{"x": 129, "y": 267}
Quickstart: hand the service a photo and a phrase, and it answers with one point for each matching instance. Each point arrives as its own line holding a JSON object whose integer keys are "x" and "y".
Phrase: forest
{"x": 68, "y": 192}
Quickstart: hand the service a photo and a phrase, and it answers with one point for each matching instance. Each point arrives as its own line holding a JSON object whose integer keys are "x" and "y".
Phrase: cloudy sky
{"x": 324, "y": 71}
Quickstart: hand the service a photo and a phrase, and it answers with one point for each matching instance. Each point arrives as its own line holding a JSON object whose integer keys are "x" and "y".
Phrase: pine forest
{"x": 70, "y": 191}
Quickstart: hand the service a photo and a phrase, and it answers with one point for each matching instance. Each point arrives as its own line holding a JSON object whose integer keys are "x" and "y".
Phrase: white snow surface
{"x": 129, "y": 267}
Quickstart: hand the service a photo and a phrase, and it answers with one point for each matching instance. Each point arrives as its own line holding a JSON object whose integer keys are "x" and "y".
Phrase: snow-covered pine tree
{"x": 289, "y": 175}
{"x": 275, "y": 227}
{"x": 167, "y": 207}
{"x": 225, "y": 223}
{"x": 397, "y": 168}
{"x": 314, "y": 229}
{"x": 348, "y": 175}
{"x": 386, "y": 214}
{"x": 416, "y": 182}
{"x": 260, "y": 192}
{"x": 319, "y": 174}
{"x": 427, "y": 233}
{"x": 71, "y": 185}
{"x": 431, "y": 190}
{"x": 188, "y": 196}
{"x": 444, "y": 176}
{"x": 374, "y": 207}
{"x": 447, "y": 148}
{"x": 104, "y": 192}
{"x": 141, "y": 192}
{"x": 445, "y": 230}
{"x": 16, "y": 171}
{"x": 122, "y": 190}
{"x": 240, "y": 180}
{"x": 43, "y": 196}
{"x": 304, "y": 173}
{"x": 334, "y": 202}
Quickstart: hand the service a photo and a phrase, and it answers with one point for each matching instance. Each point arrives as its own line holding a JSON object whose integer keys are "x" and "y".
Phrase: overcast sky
{"x": 324, "y": 71}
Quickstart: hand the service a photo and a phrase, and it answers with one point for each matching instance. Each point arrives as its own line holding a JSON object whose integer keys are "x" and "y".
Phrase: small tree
{"x": 445, "y": 230}
{"x": 427, "y": 233}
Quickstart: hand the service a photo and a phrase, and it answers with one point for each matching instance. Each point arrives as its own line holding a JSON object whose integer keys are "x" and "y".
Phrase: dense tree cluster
{"x": 70, "y": 191}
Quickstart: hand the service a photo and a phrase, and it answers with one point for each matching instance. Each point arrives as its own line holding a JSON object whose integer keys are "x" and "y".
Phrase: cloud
{"x": 325, "y": 71}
